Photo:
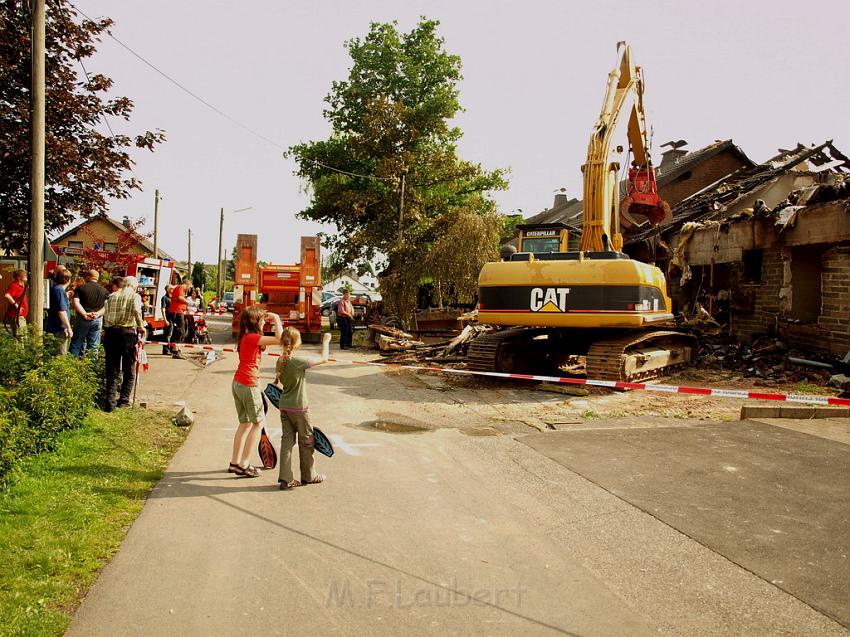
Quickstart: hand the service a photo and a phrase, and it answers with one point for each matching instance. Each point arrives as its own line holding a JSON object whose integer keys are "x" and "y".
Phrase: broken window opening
{"x": 806, "y": 270}
{"x": 753, "y": 261}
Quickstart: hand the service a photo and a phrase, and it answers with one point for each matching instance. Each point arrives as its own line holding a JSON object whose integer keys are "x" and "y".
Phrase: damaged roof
{"x": 718, "y": 199}
{"x": 570, "y": 211}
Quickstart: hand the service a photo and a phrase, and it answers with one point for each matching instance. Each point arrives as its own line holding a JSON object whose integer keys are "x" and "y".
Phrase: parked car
{"x": 329, "y": 302}
{"x": 228, "y": 301}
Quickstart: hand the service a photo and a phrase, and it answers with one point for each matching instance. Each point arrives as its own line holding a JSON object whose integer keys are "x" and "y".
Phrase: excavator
{"x": 593, "y": 310}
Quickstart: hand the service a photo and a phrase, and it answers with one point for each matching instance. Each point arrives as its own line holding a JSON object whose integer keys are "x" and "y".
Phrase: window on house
{"x": 110, "y": 247}
{"x": 806, "y": 285}
{"x": 753, "y": 260}
{"x": 75, "y": 244}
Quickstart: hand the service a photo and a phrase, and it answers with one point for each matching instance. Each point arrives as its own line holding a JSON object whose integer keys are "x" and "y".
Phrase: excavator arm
{"x": 601, "y": 228}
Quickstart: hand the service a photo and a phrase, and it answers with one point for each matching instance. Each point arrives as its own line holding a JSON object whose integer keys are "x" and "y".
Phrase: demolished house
{"x": 764, "y": 250}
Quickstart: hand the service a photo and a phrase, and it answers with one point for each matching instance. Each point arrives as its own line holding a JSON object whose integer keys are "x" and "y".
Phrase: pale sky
{"x": 766, "y": 73}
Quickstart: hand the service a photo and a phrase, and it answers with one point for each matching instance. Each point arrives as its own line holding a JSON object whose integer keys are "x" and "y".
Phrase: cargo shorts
{"x": 249, "y": 402}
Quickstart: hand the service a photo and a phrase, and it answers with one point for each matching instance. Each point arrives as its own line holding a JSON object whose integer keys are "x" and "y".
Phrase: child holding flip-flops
{"x": 294, "y": 414}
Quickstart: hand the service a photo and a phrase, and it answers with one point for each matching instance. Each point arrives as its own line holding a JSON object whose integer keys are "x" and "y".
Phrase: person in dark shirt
{"x": 88, "y": 307}
{"x": 59, "y": 314}
{"x": 169, "y": 320}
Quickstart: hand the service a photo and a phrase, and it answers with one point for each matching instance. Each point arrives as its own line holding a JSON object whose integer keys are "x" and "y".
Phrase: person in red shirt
{"x": 177, "y": 309}
{"x": 246, "y": 386}
{"x": 16, "y": 296}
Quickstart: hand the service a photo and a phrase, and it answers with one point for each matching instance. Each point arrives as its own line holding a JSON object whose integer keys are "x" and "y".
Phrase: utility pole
{"x": 189, "y": 262}
{"x": 219, "y": 285}
{"x": 156, "y": 224}
{"x": 401, "y": 207}
{"x": 36, "y": 238}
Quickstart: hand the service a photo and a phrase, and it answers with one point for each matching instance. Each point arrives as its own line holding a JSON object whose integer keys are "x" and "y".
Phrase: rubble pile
{"x": 400, "y": 347}
{"x": 768, "y": 359}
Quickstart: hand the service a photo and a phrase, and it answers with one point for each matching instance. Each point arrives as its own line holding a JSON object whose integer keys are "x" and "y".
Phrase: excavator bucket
{"x": 643, "y": 198}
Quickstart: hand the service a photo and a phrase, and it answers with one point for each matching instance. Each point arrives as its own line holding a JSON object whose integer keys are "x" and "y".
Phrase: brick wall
{"x": 834, "y": 321}
{"x": 702, "y": 175}
{"x": 832, "y": 330}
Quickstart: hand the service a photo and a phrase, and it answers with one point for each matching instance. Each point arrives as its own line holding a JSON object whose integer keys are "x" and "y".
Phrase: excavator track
{"x": 483, "y": 353}
{"x": 628, "y": 357}
{"x": 639, "y": 356}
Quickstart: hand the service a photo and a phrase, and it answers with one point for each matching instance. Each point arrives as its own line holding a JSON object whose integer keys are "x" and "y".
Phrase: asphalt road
{"x": 418, "y": 531}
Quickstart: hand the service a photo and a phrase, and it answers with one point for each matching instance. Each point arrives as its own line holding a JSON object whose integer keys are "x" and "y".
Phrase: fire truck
{"x": 153, "y": 275}
{"x": 294, "y": 291}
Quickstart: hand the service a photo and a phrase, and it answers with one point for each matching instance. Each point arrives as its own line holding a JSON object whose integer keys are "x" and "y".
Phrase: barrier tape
{"x": 610, "y": 384}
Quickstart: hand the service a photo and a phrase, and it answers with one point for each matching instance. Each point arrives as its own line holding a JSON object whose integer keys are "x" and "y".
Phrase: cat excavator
{"x": 593, "y": 310}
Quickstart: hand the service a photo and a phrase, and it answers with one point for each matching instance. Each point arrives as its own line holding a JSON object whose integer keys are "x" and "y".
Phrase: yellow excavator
{"x": 593, "y": 309}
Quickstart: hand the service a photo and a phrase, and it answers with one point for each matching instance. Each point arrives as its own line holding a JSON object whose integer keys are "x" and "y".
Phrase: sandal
{"x": 316, "y": 480}
{"x": 285, "y": 486}
{"x": 247, "y": 472}
{"x": 233, "y": 468}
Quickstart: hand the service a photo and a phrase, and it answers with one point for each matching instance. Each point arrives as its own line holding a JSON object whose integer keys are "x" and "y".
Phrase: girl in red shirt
{"x": 246, "y": 386}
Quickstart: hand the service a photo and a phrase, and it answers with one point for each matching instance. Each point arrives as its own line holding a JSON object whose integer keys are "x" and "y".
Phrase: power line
{"x": 219, "y": 111}
{"x": 345, "y": 172}
{"x": 186, "y": 90}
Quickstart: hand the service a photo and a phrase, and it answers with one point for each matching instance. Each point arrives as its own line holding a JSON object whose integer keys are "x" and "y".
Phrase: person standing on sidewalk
{"x": 59, "y": 314}
{"x": 177, "y": 307}
{"x": 165, "y": 303}
{"x": 294, "y": 417}
{"x": 124, "y": 324}
{"x": 246, "y": 386}
{"x": 89, "y": 299}
{"x": 345, "y": 318}
{"x": 19, "y": 308}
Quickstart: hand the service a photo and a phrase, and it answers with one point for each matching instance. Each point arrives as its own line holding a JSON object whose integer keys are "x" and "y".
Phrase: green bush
{"x": 42, "y": 395}
{"x": 17, "y": 357}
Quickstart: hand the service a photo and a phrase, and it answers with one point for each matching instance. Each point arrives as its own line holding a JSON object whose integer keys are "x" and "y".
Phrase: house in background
{"x": 102, "y": 233}
{"x": 349, "y": 281}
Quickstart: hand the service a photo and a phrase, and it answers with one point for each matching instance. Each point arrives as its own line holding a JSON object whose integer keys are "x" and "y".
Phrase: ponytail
{"x": 290, "y": 340}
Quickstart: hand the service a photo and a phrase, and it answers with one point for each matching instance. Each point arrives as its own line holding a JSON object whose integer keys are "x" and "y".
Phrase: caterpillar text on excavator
{"x": 594, "y": 308}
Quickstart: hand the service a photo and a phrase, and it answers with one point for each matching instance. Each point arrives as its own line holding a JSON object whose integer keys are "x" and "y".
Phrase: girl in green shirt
{"x": 294, "y": 411}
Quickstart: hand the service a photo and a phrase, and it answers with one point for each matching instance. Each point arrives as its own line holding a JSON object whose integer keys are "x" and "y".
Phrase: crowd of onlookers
{"x": 82, "y": 318}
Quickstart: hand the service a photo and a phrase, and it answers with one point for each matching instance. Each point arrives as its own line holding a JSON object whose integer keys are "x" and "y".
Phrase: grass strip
{"x": 66, "y": 513}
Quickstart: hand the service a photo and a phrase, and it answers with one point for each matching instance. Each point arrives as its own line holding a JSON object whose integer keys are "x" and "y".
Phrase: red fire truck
{"x": 153, "y": 275}
{"x": 293, "y": 291}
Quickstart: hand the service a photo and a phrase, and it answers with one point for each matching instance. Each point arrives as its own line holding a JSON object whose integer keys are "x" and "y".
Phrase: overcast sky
{"x": 766, "y": 73}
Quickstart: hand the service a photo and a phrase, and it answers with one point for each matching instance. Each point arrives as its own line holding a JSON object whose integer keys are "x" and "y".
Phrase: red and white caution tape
{"x": 611, "y": 384}
{"x": 667, "y": 389}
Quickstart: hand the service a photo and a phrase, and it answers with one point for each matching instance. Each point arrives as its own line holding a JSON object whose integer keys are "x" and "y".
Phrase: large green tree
{"x": 85, "y": 163}
{"x": 389, "y": 176}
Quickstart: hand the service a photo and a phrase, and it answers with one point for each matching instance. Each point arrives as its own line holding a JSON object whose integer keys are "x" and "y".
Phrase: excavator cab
{"x": 543, "y": 237}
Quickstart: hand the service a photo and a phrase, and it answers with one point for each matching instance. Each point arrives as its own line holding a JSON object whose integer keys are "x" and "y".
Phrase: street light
{"x": 219, "y": 292}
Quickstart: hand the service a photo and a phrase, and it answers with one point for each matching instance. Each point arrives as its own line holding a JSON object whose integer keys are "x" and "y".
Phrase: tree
{"x": 84, "y": 167}
{"x": 391, "y": 141}
{"x": 199, "y": 275}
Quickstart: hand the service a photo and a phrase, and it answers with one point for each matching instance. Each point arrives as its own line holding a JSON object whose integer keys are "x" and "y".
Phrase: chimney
{"x": 561, "y": 199}
{"x": 126, "y": 222}
{"x": 671, "y": 157}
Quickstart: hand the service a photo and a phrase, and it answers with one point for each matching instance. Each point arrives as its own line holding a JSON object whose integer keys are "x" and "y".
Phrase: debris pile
{"x": 769, "y": 359}
{"x": 400, "y": 347}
